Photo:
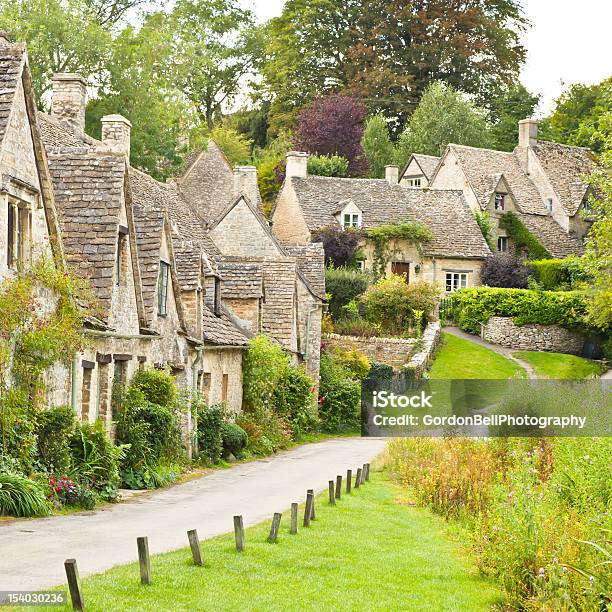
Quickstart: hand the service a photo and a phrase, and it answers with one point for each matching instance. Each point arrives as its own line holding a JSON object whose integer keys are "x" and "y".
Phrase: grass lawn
{"x": 372, "y": 551}
{"x": 560, "y": 365}
{"x": 459, "y": 358}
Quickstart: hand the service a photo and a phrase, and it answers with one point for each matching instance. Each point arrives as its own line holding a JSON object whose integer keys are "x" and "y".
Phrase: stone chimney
{"x": 245, "y": 181}
{"x": 297, "y": 165}
{"x": 69, "y": 99}
{"x": 392, "y": 174}
{"x": 116, "y": 131}
{"x": 528, "y": 132}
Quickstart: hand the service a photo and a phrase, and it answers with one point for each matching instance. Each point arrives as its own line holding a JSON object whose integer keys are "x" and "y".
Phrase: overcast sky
{"x": 568, "y": 42}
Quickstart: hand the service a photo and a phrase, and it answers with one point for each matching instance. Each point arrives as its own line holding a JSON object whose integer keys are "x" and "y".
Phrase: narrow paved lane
{"x": 32, "y": 552}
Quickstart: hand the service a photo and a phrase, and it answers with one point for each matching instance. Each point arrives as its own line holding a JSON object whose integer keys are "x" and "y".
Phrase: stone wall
{"x": 392, "y": 351}
{"x": 420, "y": 360}
{"x": 503, "y": 331}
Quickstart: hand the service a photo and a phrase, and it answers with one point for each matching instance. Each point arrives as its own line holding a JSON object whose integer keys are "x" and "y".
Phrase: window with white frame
{"x": 500, "y": 201}
{"x": 456, "y": 280}
{"x": 162, "y": 288}
{"x": 19, "y": 232}
{"x": 351, "y": 220}
{"x": 502, "y": 244}
{"x": 414, "y": 182}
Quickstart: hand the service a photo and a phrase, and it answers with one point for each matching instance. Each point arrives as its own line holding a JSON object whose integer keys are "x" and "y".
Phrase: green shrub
{"x": 235, "y": 440}
{"x": 17, "y": 428}
{"x": 521, "y": 237}
{"x": 379, "y": 376}
{"x": 149, "y": 476}
{"x": 95, "y": 460}
{"x": 357, "y": 326}
{"x": 327, "y": 165}
{"x": 343, "y": 285}
{"x": 399, "y": 306}
{"x": 21, "y": 497}
{"x": 340, "y": 397}
{"x": 293, "y": 400}
{"x": 352, "y": 360}
{"x": 564, "y": 273}
{"x": 157, "y": 386}
{"x": 476, "y": 305}
{"x": 55, "y": 426}
{"x": 267, "y": 432}
{"x": 210, "y": 420}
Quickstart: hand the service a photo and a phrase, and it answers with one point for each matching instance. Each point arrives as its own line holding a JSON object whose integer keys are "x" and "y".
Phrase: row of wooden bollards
{"x": 335, "y": 492}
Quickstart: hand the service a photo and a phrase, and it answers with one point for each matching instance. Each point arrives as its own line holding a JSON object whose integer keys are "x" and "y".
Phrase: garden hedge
{"x": 477, "y": 305}
{"x": 343, "y": 285}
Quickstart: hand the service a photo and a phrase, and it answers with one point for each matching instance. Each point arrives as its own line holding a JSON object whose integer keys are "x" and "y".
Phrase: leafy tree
{"x": 62, "y": 36}
{"x": 340, "y": 246}
{"x": 377, "y": 145}
{"x": 443, "y": 116}
{"x": 504, "y": 270}
{"x": 581, "y": 116}
{"x": 327, "y": 165}
{"x": 214, "y": 48}
{"x": 269, "y": 162}
{"x": 508, "y": 109}
{"x": 236, "y": 147}
{"x": 333, "y": 125}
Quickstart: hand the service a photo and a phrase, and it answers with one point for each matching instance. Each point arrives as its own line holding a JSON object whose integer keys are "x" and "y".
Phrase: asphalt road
{"x": 32, "y": 552}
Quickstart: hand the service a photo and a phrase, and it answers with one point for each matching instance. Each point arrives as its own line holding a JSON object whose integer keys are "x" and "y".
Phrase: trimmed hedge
{"x": 343, "y": 285}
{"x": 558, "y": 273}
{"x": 477, "y": 305}
{"x": 522, "y": 237}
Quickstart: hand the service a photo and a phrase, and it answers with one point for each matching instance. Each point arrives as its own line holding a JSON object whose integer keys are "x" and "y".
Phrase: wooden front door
{"x": 402, "y": 268}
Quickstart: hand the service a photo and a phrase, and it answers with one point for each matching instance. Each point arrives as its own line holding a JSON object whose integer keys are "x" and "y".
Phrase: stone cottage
{"x": 453, "y": 258}
{"x": 543, "y": 183}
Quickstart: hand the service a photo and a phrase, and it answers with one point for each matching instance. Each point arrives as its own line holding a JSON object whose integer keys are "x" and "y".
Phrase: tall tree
{"x": 507, "y": 110}
{"x": 443, "y": 116}
{"x": 215, "y": 47}
{"x": 333, "y": 125}
{"x": 377, "y": 145}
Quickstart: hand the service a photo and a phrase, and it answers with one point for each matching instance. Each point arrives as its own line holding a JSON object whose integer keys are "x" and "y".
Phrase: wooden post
{"x": 358, "y": 478}
{"x": 294, "y": 518}
{"x": 196, "y": 551}
{"x": 332, "y": 493}
{"x": 239, "y": 533}
{"x": 367, "y": 471}
{"x": 363, "y": 473}
{"x": 74, "y": 584}
{"x": 308, "y": 508}
{"x": 145, "y": 560}
{"x": 274, "y": 528}
{"x": 313, "y": 514}
{"x": 349, "y": 478}
{"x": 338, "y": 486}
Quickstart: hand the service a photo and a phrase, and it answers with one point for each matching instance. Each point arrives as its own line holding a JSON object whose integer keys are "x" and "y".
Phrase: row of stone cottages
{"x": 542, "y": 183}
{"x": 183, "y": 272}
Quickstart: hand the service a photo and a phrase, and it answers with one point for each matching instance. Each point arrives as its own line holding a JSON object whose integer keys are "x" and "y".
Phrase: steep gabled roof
{"x": 566, "y": 168}
{"x": 483, "y": 167}
{"x": 241, "y": 279}
{"x": 551, "y": 235}
{"x": 189, "y": 266}
{"x": 311, "y": 262}
{"x": 89, "y": 190}
{"x": 427, "y": 163}
{"x": 445, "y": 212}
{"x": 221, "y": 331}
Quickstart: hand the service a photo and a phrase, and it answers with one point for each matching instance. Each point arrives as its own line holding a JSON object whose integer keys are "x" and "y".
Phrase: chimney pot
{"x": 392, "y": 174}
{"x": 69, "y": 99}
{"x": 528, "y": 133}
{"x": 297, "y": 164}
{"x": 116, "y": 131}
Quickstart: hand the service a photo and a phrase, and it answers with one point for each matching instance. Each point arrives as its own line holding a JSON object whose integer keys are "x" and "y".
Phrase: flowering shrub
{"x": 63, "y": 490}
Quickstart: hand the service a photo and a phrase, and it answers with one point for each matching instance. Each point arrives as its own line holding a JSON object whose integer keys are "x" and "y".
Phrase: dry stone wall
{"x": 532, "y": 337}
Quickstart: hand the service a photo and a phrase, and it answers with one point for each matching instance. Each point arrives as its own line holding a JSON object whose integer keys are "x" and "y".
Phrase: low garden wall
{"x": 420, "y": 360}
{"x": 532, "y": 337}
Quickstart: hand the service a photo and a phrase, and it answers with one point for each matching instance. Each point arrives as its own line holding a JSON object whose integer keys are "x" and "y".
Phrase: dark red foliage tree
{"x": 340, "y": 246}
{"x": 504, "y": 270}
{"x": 333, "y": 125}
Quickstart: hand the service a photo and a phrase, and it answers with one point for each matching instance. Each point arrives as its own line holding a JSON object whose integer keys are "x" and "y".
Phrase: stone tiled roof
{"x": 12, "y": 57}
{"x": 483, "y": 168}
{"x": 221, "y": 331}
{"x": 311, "y": 262}
{"x": 88, "y": 190}
{"x": 552, "y": 236}
{"x": 566, "y": 168}
{"x": 428, "y": 163}
{"x": 445, "y": 212}
{"x": 188, "y": 259}
{"x": 55, "y": 134}
{"x": 208, "y": 183}
{"x": 241, "y": 279}
{"x": 149, "y": 225}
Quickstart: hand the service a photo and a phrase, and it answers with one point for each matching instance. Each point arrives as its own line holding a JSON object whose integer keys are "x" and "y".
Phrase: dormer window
{"x": 351, "y": 220}
{"x": 500, "y": 201}
{"x": 162, "y": 288}
{"x": 414, "y": 182}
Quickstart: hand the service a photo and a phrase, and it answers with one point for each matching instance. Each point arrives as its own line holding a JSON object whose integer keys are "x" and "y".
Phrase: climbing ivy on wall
{"x": 522, "y": 237}
{"x": 381, "y": 237}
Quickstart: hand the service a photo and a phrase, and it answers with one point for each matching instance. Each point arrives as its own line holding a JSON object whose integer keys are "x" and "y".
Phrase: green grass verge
{"x": 560, "y": 365}
{"x": 372, "y": 551}
{"x": 459, "y": 358}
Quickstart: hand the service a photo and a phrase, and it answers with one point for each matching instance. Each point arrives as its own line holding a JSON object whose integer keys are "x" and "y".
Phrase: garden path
{"x": 506, "y": 352}
{"x": 33, "y": 551}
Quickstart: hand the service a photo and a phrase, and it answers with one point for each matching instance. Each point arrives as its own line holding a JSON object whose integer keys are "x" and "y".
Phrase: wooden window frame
{"x": 19, "y": 234}
{"x": 458, "y": 280}
{"x": 353, "y": 221}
